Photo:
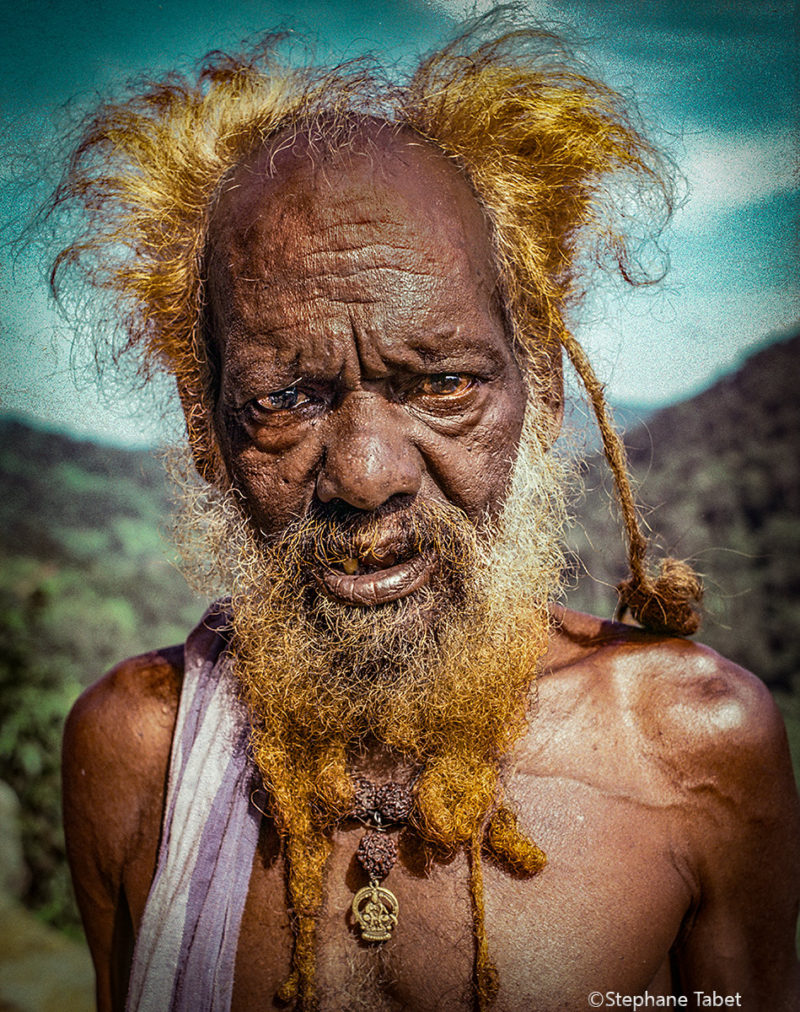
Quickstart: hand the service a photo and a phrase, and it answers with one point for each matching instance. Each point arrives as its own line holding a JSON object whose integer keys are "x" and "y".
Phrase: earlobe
{"x": 548, "y": 389}
{"x": 202, "y": 439}
{"x": 554, "y": 407}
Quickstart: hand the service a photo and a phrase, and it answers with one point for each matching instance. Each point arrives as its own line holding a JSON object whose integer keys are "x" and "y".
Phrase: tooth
{"x": 350, "y": 566}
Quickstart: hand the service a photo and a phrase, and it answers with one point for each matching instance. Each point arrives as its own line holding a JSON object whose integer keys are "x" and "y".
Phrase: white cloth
{"x": 186, "y": 949}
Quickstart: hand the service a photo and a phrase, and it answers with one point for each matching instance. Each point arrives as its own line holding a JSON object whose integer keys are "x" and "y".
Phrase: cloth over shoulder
{"x": 186, "y": 949}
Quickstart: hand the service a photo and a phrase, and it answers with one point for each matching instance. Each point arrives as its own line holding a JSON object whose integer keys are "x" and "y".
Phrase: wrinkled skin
{"x": 372, "y": 368}
{"x": 363, "y": 363}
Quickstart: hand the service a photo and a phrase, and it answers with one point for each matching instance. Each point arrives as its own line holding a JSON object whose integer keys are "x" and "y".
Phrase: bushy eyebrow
{"x": 434, "y": 355}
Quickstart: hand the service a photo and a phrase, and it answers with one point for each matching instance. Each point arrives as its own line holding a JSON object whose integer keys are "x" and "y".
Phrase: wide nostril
{"x": 366, "y": 493}
{"x": 369, "y": 459}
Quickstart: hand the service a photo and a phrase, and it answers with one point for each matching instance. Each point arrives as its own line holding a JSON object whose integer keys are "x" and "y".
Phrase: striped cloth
{"x": 186, "y": 949}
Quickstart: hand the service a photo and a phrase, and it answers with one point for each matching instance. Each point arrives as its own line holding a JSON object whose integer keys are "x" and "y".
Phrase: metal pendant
{"x": 375, "y": 911}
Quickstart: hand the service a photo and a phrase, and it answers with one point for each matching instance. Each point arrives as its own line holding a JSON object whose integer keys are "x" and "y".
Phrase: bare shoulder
{"x": 116, "y": 752}
{"x": 117, "y": 742}
{"x": 690, "y": 707}
{"x": 690, "y": 730}
{"x": 698, "y": 740}
{"x": 124, "y": 722}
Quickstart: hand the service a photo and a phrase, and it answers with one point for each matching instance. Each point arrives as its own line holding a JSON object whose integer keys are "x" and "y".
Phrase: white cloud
{"x": 653, "y": 351}
{"x": 729, "y": 171}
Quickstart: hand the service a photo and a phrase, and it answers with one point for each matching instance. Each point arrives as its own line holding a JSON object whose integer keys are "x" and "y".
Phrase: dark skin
{"x": 373, "y": 369}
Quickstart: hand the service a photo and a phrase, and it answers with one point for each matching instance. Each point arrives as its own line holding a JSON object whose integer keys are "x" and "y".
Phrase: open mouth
{"x": 374, "y": 578}
{"x": 366, "y": 562}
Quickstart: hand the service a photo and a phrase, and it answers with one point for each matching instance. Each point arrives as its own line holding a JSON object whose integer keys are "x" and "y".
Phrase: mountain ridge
{"x": 87, "y": 578}
{"x": 719, "y": 477}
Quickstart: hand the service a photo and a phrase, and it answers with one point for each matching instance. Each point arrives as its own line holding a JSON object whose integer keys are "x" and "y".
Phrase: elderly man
{"x": 329, "y": 796}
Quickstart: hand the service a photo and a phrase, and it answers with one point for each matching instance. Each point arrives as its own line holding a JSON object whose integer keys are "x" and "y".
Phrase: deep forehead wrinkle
{"x": 269, "y": 251}
{"x": 409, "y": 301}
{"x": 391, "y": 249}
{"x": 335, "y": 230}
{"x": 273, "y": 362}
{"x": 402, "y": 176}
{"x": 329, "y": 229}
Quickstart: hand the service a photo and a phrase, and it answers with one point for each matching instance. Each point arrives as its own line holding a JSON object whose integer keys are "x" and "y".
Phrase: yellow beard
{"x": 442, "y": 679}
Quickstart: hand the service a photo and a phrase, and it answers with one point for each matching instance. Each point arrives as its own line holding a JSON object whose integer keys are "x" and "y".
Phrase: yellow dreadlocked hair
{"x": 553, "y": 159}
{"x": 536, "y": 137}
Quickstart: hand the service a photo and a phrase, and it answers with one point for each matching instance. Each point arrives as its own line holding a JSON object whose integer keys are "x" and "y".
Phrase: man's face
{"x": 364, "y": 365}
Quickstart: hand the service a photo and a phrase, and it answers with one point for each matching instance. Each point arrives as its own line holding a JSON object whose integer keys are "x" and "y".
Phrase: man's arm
{"x": 742, "y": 833}
{"x": 116, "y": 751}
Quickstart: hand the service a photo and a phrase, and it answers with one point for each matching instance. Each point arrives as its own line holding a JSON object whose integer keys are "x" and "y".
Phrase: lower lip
{"x": 379, "y": 587}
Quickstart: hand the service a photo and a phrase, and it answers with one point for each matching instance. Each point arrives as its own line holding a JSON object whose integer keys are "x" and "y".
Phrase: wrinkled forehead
{"x": 382, "y": 185}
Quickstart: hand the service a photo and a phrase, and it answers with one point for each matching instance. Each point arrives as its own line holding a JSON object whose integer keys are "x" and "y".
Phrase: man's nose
{"x": 368, "y": 456}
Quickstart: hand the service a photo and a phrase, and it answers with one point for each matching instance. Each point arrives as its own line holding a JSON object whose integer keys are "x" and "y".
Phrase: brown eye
{"x": 444, "y": 384}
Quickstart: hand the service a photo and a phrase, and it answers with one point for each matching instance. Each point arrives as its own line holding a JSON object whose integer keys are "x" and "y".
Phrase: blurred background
{"x": 702, "y": 372}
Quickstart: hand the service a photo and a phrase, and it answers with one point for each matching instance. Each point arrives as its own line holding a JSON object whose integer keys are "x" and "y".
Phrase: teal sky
{"x": 718, "y": 79}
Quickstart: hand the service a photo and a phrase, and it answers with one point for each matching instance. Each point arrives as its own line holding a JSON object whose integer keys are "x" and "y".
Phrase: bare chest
{"x": 601, "y": 916}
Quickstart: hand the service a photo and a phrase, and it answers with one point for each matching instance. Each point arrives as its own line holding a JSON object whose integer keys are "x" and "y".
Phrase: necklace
{"x": 374, "y": 907}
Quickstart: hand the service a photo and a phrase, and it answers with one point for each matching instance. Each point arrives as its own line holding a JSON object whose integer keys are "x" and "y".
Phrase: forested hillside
{"x": 720, "y": 478}
{"x": 85, "y": 577}
{"x": 84, "y": 582}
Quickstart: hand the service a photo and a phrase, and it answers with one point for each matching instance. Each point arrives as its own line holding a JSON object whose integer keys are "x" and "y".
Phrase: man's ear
{"x": 197, "y": 383}
{"x": 548, "y": 384}
{"x": 202, "y": 437}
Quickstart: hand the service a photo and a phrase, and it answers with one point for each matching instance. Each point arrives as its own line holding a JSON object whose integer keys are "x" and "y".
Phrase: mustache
{"x": 331, "y": 533}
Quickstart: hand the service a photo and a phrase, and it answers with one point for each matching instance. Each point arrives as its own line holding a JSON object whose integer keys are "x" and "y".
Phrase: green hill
{"x": 82, "y": 548}
{"x": 719, "y": 475}
{"x": 86, "y": 579}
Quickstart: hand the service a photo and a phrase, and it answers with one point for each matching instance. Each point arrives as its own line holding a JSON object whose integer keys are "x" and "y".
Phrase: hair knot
{"x": 508, "y": 843}
{"x": 669, "y": 604}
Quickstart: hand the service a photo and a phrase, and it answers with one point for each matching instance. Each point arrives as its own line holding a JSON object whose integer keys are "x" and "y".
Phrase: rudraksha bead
{"x": 376, "y": 854}
{"x": 394, "y": 801}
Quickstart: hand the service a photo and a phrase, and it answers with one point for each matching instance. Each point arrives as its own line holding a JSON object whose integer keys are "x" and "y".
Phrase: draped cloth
{"x": 186, "y": 948}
